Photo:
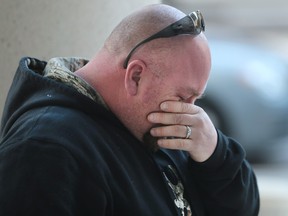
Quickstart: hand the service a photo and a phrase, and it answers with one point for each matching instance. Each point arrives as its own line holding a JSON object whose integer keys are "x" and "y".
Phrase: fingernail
{"x": 160, "y": 142}
{"x": 164, "y": 106}
{"x": 151, "y": 117}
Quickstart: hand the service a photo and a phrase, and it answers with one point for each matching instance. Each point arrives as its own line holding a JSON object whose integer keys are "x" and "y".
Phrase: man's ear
{"x": 133, "y": 76}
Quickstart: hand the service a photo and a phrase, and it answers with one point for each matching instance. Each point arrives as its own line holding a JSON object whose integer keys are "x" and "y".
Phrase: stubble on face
{"x": 155, "y": 90}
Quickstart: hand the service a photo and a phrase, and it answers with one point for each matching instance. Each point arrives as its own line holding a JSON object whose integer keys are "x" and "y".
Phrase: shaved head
{"x": 140, "y": 25}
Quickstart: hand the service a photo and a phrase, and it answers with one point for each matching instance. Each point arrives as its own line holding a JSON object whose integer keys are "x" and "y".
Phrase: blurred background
{"x": 247, "y": 92}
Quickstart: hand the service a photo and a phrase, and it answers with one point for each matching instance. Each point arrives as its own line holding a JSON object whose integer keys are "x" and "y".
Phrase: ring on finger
{"x": 188, "y": 132}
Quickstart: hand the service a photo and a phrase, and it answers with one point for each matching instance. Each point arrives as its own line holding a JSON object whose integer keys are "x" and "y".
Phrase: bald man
{"x": 120, "y": 134}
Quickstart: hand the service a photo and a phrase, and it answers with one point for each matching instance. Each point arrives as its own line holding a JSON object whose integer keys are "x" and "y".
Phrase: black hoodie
{"x": 63, "y": 154}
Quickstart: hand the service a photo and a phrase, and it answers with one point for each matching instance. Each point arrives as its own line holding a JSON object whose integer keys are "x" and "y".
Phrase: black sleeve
{"x": 39, "y": 178}
{"x": 227, "y": 182}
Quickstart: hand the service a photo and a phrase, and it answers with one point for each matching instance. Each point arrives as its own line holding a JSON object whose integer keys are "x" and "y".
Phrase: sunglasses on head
{"x": 192, "y": 24}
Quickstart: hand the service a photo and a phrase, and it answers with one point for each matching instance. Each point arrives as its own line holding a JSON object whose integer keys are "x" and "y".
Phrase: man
{"x": 120, "y": 134}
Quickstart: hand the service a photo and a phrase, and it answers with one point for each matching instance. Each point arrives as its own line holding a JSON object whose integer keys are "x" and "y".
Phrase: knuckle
{"x": 178, "y": 129}
{"x": 181, "y": 144}
{"x": 185, "y": 107}
{"x": 200, "y": 110}
{"x": 178, "y": 118}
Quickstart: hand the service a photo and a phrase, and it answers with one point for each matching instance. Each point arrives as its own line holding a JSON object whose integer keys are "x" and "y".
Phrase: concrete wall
{"x": 45, "y": 29}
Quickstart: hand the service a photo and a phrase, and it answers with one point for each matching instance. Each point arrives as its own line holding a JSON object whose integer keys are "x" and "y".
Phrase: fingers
{"x": 176, "y": 112}
{"x": 175, "y": 131}
{"x": 179, "y": 107}
{"x": 174, "y": 117}
{"x": 183, "y": 144}
{"x": 170, "y": 118}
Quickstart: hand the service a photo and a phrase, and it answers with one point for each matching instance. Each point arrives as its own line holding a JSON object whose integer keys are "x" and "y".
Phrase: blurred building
{"x": 261, "y": 22}
{"x": 45, "y": 29}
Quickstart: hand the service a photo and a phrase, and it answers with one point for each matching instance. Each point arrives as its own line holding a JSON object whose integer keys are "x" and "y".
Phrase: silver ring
{"x": 188, "y": 132}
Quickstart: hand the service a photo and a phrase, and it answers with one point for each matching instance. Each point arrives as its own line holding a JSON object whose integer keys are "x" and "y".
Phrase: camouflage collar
{"x": 62, "y": 70}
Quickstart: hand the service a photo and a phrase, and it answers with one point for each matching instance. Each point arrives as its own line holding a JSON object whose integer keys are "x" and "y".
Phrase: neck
{"x": 102, "y": 73}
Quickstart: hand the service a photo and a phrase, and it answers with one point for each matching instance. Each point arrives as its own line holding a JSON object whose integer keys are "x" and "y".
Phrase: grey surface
{"x": 46, "y": 29}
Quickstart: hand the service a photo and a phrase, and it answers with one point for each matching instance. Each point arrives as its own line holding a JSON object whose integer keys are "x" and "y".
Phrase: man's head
{"x": 172, "y": 68}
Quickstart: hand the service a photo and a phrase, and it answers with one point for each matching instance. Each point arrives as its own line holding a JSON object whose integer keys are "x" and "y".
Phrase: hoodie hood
{"x": 34, "y": 86}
